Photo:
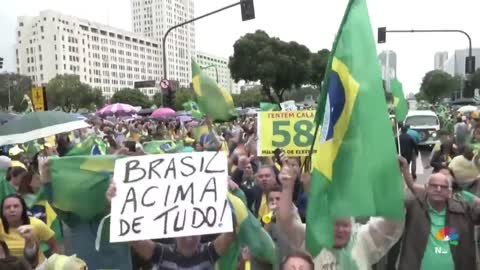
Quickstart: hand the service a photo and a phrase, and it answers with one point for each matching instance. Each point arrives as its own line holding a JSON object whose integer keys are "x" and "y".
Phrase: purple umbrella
{"x": 162, "y": 113}
{"x": 117, "y": 109}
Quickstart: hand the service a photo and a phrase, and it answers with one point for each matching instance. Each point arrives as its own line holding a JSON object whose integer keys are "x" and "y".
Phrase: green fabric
{"x": 31, "y": 148}
{"x": 355, "y": 167}
{"x": 250, "y": 233}
{"x": 198, "y": 131}
{"x": 437, "y": 255}
{"x": 401, "y": 105}
{"x": 344, "y": 256}
{"x": 215, "y": 103}
{"x": 79, "y": 184}
{"x": 90, "y": 146}
{"x": 3, "y": 174}
{"x": 192, "y": 107}
{"x": 268, "y": 107}
{"x": 467, "y": 196}
{"x": 6, "y": 189}
{"x": 170, "y": 146}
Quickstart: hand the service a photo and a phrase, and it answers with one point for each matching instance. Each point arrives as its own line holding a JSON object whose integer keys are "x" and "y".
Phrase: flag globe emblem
{"x": 447, "y": 234}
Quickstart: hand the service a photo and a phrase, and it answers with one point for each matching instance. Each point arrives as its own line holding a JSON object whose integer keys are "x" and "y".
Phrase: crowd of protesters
{"x": 276, "y": 190}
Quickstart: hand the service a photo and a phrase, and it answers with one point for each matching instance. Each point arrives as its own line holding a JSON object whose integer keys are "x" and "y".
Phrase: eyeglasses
{"x": 435, "y": 186}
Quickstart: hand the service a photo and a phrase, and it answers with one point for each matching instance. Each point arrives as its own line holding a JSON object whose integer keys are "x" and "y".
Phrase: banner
{"x": 170, "y": 195}
{"x": 290, "y": 131}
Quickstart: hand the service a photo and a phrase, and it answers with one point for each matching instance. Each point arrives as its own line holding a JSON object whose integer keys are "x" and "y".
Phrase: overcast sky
{"x": 309, "y": 22}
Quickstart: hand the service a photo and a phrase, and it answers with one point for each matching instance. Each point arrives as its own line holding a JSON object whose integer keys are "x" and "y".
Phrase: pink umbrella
{"x": 117, "y": 109}
{"x": 162, "y": 113}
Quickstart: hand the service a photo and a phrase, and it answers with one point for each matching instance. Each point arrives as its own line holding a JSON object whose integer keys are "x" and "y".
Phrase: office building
{"x": 440, "y": 60}
{"x": 388, "y": 61}
{"x": 102, "y": 56}
{"x": 217, "y": 68}
{"x": 455, "y": 65}
{"x": 152, "y": 18}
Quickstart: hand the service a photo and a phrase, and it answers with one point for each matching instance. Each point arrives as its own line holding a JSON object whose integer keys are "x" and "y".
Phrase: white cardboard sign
{"x": 170, "y": 195}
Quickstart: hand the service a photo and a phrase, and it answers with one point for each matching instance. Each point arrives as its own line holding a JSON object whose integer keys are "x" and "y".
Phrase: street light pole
{"x": 438, "y": 31}
{"x": 214, "y": 66}
{"x": 248, "y": 13}
{"x": 469, "y": 61}
{"x": 185, "y": 23}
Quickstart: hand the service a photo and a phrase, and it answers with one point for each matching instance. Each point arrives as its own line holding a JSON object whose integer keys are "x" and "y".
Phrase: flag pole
{"x": 398, "y": 137}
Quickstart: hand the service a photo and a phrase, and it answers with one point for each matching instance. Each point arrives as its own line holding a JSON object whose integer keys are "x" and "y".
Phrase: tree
{"x": 157, "y": 99}
{"x": 278, "y": 65}
{"x": 182, "y": 95}
{"x": 249, "y": 98}
{"x": 69, "y": 94}
{"x": 300, "y": 94}
{"x": 132, "y": 97}
{"x": 318, "y": 66}
{"x": 18, "y": 86}
{"x": 436, "y": 85}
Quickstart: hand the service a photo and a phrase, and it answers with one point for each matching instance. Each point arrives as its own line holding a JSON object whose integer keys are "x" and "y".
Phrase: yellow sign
{"x": 290, "y": 131}
{"x": 38, "y": 99}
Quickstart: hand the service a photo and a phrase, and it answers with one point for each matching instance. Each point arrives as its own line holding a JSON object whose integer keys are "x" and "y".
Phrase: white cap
{"x": 5, "y": 162}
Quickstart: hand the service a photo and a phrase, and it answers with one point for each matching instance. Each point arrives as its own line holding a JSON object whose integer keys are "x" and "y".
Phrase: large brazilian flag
{"x": 214, "y": 102}
{"x": 355, "y": 169}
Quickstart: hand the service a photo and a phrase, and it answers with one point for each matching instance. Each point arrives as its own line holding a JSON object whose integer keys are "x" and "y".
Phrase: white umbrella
{"x": 468, "y": 108}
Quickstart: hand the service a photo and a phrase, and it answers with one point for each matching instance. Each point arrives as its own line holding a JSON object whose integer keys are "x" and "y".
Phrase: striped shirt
{"x": 166, "y": 257}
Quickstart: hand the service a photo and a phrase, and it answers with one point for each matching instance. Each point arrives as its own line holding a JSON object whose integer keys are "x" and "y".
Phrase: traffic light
{"x": 1, "y": 62}
{"x": 170, "y": 98}
{"x": 382, "y": 35}
{"x": 470, "y": 64}
{"x": 248, "y": 10}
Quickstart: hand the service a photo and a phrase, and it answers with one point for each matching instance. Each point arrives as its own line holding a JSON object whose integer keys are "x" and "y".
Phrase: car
{"x": 427, "y": 124}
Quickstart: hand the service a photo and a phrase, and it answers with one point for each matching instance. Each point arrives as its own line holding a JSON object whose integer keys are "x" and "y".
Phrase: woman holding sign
{"x": 186, "y": 253}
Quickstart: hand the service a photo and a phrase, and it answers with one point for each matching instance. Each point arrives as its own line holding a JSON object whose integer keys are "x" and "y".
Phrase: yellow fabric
{"x": 16, "y": 163}
{"x": 224, "y": 147}
{"x": 49, "y": 212}
{"x": 263, "y": 210}
{"x": 16, "y": 243}
{"x": 50, "y": 140}
{"x": 62, "y": 262}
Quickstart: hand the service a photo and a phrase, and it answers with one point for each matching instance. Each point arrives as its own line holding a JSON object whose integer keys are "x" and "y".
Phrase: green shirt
{"x": 437, "y": 255}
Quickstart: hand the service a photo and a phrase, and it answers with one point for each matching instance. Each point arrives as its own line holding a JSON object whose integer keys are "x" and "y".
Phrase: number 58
{"x": 302, "y": 136}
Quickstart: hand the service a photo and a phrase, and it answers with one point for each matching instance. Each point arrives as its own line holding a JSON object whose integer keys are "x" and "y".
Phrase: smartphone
{"x": 277, "y": 154}
{"x": 131, "y": 145}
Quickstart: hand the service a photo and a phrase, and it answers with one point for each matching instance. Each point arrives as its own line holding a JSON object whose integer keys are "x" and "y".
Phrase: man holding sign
{"x": 177, "y": 195}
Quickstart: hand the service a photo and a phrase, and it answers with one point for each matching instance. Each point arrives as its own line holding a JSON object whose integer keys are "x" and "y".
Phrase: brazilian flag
{"x": 192, "y": 107}
{"x": 354, "y": 166}
{"x": 250, "y": 233}
{"x": 215, "y": 103}
{"x": 399, "y": 103}
{"x": 79, "y": 184}
{"x": 90, "y": 146}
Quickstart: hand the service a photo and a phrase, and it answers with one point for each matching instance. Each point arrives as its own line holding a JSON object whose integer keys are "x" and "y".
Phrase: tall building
{"x": 153, "y": 18}
{"x": 455, "y": 65}
{"x": 103, "y": 56}
{"x": 388, "y": 61}
{"x": 217, "y": 68}
{"x": 440, "y": 60}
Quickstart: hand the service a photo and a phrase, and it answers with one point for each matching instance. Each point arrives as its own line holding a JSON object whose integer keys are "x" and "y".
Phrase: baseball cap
{"x": 14, "y": 151}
